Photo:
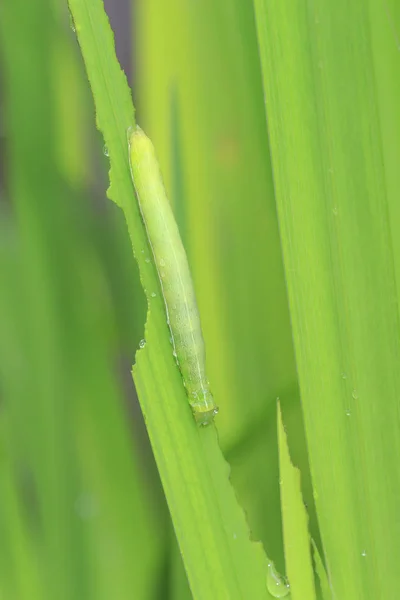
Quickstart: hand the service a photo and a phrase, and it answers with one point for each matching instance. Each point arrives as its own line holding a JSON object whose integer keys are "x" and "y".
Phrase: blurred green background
{"x": 82, "y": 512}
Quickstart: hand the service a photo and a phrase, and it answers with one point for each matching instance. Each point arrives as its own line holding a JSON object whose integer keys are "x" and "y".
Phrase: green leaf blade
{"x": 333, "y": 208}
{"x": 219, "y": 557}
{"x": 211, "y": 529}
{"x": 295, "y": 523}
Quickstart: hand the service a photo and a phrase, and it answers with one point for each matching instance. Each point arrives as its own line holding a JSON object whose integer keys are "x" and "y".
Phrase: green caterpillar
{"x": 174, "y": 275}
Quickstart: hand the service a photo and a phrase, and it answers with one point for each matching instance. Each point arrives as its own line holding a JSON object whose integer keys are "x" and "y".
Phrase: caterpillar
{"x": 174, "y": 274}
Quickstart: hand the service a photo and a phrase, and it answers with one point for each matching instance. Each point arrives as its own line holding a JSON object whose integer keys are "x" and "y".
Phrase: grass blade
{"x": 321, "y": 572}
{"x": 295, "y": 524}
{"x": 333, "y": 205}
{"x": 75, "y": 512}
{"x": 215, "y": 113}
{"x": 212, "y": 533}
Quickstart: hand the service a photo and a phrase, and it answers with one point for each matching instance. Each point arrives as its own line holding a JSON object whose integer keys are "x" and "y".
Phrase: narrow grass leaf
{"x": 296, "y": 537}
{"x": 212, "y": 533}
{"x": 321, "y": 87}
{"x": 321, "y": 572}
{"x": 229, "y": 223}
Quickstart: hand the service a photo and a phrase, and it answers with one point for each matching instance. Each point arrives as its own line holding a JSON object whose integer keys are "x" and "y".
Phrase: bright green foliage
{"x": 214, "y": 539}
{"x": 208, "y": 102}
{"x": 219, "y": 557}
{"x": 83, "y": 514}
{"x": 325, "y": 69}
{"x": 320, "y": 570}
{"x": 74, "y": 512}
{"x": 295, "y": 524}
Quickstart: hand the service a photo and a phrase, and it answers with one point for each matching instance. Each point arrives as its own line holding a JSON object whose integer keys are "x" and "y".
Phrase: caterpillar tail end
{"x": 205, "y": 417}
{"x": 203, "y": 406}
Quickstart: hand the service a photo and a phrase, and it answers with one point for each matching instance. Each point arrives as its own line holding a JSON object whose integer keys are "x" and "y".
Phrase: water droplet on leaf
{"x": 71, "y": 22}
{"x": 276, "y": 584}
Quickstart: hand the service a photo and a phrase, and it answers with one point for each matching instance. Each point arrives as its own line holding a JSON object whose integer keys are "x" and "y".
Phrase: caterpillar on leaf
{"x": 174, "y": 274}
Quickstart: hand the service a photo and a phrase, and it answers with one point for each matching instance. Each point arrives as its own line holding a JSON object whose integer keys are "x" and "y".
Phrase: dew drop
{"x": 71, "y": 22}
{"x": 348, "y": 413}
{"x": 234, "y": 536}
{"x": 162, "y": 273}
{"x": 354, "y": 394}
{"x": 344, "y": 376}
{"x": 276, "y": 584}
{"x": 147, "y": 260}
{"x": 153, "y": 294}
{"x": 364, "y": 553}
{"x": 335, "y": 211}
{"x": 142, "y": 343}
{"x": 105, "y": 151}
{"x": 162, "y": 262}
